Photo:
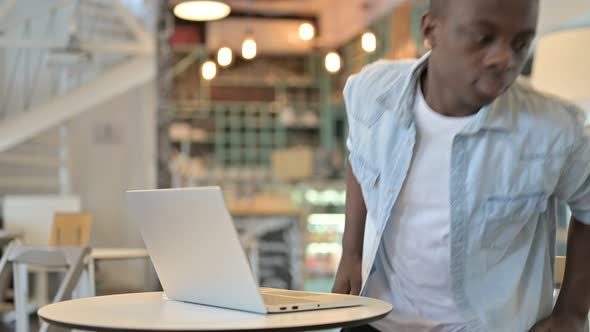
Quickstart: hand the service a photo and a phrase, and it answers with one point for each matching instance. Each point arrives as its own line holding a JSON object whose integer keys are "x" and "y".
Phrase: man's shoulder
{"x": 365, "y": 90}
{"x": 550, "y": 116}
{"x": 383, "y": 66}
{"x": 547, "y": 109}
{"x": 381, "y": 74}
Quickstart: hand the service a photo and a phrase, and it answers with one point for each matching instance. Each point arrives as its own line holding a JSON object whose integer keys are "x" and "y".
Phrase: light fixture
{"x": 201, "y": 10}
{"x": 224, "y": 56}
{"x": 369, "y": 42}
{"x": 209, "y": 70}
{"x": 306, "y": 31}
{"x": 333, "y": 62}
{"x": 249, "y": 48}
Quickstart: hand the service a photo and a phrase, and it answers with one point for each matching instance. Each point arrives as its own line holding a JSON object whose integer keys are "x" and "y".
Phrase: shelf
{"x": 207, "y": 142}
{"x": 296, "y": 127}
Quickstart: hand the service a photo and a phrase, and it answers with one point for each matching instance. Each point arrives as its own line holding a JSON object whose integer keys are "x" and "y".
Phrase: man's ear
{"x": 428, "y": 27}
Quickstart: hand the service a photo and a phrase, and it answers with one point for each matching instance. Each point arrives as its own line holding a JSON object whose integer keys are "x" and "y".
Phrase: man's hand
{"x": 560, "y": 323}
{"x": 348, "y": 277}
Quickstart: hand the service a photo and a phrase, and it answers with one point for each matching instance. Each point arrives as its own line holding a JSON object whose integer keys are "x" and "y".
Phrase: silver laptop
{"x": 196, "y": 252}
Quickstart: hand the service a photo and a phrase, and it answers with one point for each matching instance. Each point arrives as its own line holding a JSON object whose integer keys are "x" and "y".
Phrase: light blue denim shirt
{"x": 509, "y": 168}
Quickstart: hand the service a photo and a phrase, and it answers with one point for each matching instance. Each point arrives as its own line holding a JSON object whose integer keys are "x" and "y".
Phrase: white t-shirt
{"x": 413, "y": 259}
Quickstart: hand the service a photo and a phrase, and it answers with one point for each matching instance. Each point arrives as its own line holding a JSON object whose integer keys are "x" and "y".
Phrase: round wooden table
{"x": 154, "y": 312}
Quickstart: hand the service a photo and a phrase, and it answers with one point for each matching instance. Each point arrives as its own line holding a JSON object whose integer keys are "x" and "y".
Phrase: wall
{"x": 402, "y": 44}
{"x": 107, "y": 162}
{"x": 554, "y": 14}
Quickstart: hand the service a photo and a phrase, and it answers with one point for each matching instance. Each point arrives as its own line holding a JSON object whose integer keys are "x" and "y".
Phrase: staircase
{"x": 38, "y": 165}
{"x": 58, "y": 59}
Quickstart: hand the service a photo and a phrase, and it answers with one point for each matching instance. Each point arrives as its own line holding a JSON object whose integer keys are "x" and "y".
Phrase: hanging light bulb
{"x": 249, "y": 48}
{"x": 369, "y": 42}
{"x": 306, "y": 31}
{"x": 200, "y": 10}
{"x": 333, "y": 62}
{"x": 224, "y": 56}
{"x": 209, "y": 70}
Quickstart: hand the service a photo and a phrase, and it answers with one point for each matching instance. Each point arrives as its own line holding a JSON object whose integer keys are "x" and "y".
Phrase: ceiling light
{"x": 209, "y": 70}
{"x": 333, "y": 62}
{"x": 200, "y": 10}
{"x": 369, "y": 42}
{"x": 306, "y": 31}
{"x": 224, "y": 56}
{"x": 249, "y": 48}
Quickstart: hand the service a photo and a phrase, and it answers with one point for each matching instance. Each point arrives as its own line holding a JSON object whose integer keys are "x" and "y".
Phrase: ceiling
{"x": 301, "y": 7}
{"x": 274, "y": 37}
{"x": 338, "y": 21}
{"x": 553, "y": 13}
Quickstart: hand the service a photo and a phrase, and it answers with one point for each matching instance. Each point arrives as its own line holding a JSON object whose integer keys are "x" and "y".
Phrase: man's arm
{"x": 574, "y": 297}
{"x": 571, "y": 310}
{"x": 348, "y": 278}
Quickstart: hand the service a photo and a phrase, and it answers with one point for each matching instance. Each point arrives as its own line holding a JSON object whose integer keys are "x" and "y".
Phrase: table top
{"x": 153, "y": 312}
{"x": 119, "y": 253}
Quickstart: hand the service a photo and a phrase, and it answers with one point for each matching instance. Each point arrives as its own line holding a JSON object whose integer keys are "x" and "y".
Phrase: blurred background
{"x": 102, "y": 96}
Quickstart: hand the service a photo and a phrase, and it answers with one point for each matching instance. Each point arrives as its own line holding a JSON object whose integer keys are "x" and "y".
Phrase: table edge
{"x": 285, "y": 329}
{"x": 347, "y": 324}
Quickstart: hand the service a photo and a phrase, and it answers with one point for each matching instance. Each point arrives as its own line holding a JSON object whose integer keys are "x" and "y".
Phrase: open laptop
{"x": 198, "y": 257}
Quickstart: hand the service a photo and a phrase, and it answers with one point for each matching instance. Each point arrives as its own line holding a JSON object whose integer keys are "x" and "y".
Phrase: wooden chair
{"x": 67, "y": 259}
{"x": 70, "y": 232}
{"x": 71, "y": 229}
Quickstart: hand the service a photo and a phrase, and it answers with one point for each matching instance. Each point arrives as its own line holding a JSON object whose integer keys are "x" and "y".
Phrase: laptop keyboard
{"x": 283, "y": 300}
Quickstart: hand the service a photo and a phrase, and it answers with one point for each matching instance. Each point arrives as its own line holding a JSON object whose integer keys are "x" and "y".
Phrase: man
{"x": 455, "y": 172}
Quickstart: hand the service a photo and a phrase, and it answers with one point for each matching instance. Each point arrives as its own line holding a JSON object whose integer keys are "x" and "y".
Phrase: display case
{"x": 324, "y": 228}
